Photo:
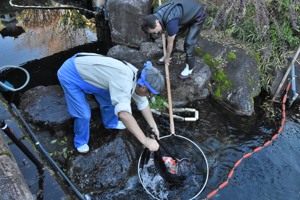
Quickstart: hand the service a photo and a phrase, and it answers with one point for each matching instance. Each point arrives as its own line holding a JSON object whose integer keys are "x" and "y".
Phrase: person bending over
{"x": 175, "y": 17}
{"x": 113, "y": 83}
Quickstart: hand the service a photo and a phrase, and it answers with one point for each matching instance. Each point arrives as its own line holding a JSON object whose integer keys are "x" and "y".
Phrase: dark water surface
{"x": 272, "y": 173}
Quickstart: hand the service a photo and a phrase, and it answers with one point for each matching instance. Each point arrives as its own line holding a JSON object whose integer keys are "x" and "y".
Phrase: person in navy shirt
{"x": 175, "y": 17}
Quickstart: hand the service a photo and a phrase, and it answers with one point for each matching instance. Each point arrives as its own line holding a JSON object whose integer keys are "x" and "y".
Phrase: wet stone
{"x": 45, "y": 106}
{"x": 110, "y": 167}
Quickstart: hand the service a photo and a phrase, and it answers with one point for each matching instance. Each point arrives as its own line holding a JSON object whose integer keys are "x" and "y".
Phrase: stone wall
{"x": 12, "y": 183}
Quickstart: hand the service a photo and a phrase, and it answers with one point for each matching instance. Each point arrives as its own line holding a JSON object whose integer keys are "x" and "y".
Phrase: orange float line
{"x": 213, "y": 193}
{"x": 267, "y": 143}
{"x": 247, "y": 155}
{"x": 257, "y": 149}
{"x": 288, "y": 87}
{"x": 284, "y": 98}
{"x": 230, "y": 173}
{"x": 221, "y": 186}
{"x": 237, "y": 163}
{"x": 282, "y": 121}
{"x": 280, "y": 129}
{"x": 275, "y": 136}
{"x": 283, "y": 114}
{"x": 283, "y": 107}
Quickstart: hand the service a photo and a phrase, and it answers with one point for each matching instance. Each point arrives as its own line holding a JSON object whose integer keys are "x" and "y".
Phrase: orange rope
{"x": 257, "y": 149}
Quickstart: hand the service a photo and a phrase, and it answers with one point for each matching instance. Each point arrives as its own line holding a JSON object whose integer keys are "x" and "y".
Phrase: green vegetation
{"x": 222, "y": 83}
{"x": 6, "y": 153}
{"x": 210, "y": 61}
{"x": 198, "y": 51}
{"x": 65, "y": 153}
{"x": 159, "y": 103}
{"x": 269, "y": 29}
{"x": 231, "y": 56}
{"x": 1, "y": 26}
{"x": 74, "y": 18}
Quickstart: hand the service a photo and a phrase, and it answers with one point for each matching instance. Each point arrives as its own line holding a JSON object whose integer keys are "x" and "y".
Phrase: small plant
{"x": 231, "y": 56}
{"x": 65, "y": 153}
{"x": 219, "y": 75}
{"x": 198, "y": 51}
{"x": 210, "y": 61}
{"x": 159, "y": 103}
{"x": 6, "y": 153}
{"x": 222, "y": 83}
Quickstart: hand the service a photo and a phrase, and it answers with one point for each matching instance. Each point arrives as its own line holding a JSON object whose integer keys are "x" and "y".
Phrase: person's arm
{"x": 169, "y": 49}
{"x": 132, "y": 125}
{"x": 147, "y": 114}
{"x": 172, "y": 29}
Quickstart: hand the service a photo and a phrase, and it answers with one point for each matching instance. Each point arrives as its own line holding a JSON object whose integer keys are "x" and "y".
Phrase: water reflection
{"x": 10, "y": 29}
{"x": 41, "y": 33}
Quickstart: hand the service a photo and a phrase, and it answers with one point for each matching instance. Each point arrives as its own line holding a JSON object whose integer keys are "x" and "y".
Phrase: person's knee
{"x": 190, "y": 50}
{"x": 85, "y": 115}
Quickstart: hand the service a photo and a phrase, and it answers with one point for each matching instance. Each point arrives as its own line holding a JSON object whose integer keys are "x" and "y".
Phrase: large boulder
{"x": 125, "y": 19}
{"x": 133, "y": 56}
{"x": 46, "y": 107}
{"x": 235, "y": 80}
{"x": 110, "y": 166}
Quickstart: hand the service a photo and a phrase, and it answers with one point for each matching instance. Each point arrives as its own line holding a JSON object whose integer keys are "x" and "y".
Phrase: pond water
{"x": 272, "y": 173}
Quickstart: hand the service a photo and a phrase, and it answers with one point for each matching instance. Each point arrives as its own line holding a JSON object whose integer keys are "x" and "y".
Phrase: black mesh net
{"x": 178, "y": 170}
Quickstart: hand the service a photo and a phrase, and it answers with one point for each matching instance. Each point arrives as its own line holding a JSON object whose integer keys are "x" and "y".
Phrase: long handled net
{"x": 183, "y": 175}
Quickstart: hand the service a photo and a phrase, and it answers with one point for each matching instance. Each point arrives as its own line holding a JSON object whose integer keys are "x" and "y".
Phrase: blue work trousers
{"x": 75, "y": 89}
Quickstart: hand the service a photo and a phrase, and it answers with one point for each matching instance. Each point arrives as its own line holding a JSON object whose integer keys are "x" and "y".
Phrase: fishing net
{"x": 178, "y": 170}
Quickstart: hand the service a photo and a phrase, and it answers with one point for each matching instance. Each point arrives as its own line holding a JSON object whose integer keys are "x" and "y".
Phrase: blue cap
{"x": 142, "y": 80}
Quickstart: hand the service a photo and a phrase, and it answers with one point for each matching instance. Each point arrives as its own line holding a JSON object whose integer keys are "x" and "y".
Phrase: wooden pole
{"x": 286, "y": 74}
{"x": 172, "y": 127}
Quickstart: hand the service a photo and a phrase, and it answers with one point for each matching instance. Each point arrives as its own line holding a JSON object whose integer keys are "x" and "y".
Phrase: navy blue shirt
{"x": 173, "y": 27}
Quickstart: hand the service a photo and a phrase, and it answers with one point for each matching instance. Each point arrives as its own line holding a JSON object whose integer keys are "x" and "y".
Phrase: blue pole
{"x": 293, "y": 82}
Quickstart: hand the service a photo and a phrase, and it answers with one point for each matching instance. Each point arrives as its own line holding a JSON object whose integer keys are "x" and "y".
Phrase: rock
{"x": 133, "y": 56}
{"x": 110, "y": 166}
{"x": 45, "y": 106}
{"x": 191, "y": 89}
{"x": 12, "y": 183}
{"x": 125, "y": 19}
{"x": 240, "y": 74}
{"x": 5, "y": 114}
{"x": 150, "y": 50}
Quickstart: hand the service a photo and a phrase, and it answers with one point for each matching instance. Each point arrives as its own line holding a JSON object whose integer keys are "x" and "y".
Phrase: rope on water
{"x": 257, "y": 149}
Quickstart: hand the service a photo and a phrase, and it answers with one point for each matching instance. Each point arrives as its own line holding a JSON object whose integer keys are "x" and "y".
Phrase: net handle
{"x": 163, "y": 146}
{"x": 172, "y": 126}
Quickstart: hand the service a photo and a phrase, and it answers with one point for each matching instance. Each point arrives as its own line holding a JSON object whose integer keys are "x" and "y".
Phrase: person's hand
{"x": 156, "y": 132}
{"x": 168, "y": 60}
{"x": 151, "y": 144}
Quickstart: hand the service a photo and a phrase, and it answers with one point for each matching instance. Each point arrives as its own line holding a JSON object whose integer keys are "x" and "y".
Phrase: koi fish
{"x": 163, "y": 171}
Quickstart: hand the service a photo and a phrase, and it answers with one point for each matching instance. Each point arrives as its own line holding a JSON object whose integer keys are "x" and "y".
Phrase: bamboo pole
{"x": 172, "y": 127}
{"x": 286, "y": 74}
